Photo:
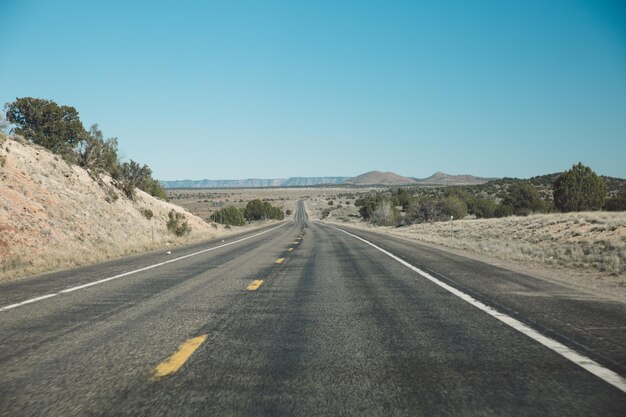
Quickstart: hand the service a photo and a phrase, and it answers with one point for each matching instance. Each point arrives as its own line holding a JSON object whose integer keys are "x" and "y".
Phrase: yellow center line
{"x": 290, "y": 250}
{"x": 296, "y": 243}
{"x": 178, "y": 359}
{"x": 280, "y": 260}
{"x": 255, "y": 285}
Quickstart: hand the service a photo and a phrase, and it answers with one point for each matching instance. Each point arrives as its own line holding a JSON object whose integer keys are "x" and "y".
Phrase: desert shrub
{"x": 458, "y": 193}
{"x": 423, "y": 210}
{"x": 403, "y": 198}
{"x": 503, "y": 210}
{"x": 325, "y": 213}
{"x": 451, "y": 206}
{"x": 262, "y": 210}
{"x": 385, "y": 214}
{"x": 331, "y": 202}
{"x": 97, "y": 154}
{"x": 481, "y": 207}
{"x": 132, "y": 175}
{"x": 523, "y": 198}
{"x": 177, "y": 224}
{"x": 368, "y": 203}
{"x": 288, "y": 212}
{"x": 230, "y": 215}
{"x": 3, "y": 161}
{"x": 147, "y": 213}
{"x": 616, "y": 203}
{"x": 579, "y": 189}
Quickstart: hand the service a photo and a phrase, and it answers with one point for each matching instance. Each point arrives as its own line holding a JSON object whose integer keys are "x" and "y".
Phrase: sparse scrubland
{"x": 514, "y": 220}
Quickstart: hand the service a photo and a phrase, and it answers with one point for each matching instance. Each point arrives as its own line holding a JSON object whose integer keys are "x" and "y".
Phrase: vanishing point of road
{"x": 303, "y": 318}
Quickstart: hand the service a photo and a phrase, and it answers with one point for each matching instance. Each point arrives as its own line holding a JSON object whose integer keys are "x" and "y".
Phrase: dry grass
{"x": 590, "y": 244}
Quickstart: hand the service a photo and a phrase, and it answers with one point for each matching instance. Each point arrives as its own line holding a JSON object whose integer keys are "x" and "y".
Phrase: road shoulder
{"x": 570, "y": 278}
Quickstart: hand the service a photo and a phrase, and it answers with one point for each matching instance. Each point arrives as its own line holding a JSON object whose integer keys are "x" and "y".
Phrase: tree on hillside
{"x": 132, "y": 175}
{"x": 97, "y": 154}
{"x": 579, "y": 189}
{"x": 45, "y": 123}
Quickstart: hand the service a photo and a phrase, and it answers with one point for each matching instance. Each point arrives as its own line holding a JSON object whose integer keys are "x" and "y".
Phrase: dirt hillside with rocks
{"x": 55, "y": 215}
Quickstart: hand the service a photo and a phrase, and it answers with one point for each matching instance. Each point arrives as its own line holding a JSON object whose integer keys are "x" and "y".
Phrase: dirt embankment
{"x": 54, "y": 215}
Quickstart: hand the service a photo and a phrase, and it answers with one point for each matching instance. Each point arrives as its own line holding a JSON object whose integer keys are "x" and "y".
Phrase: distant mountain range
{"x": 255, "y": 182}
{"x": 368, "y": 178}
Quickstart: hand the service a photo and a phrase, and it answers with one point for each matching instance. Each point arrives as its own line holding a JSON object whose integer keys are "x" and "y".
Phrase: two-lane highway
{"x": 307, "y": 319}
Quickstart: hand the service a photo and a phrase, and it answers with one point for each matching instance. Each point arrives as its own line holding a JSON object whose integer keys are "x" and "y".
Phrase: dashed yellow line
{"x": 178, "y": 359}
{"x": 255, "y": 285}
{"x": 280, "y": 260}
{"x": 290, "y": 250}
{"x": 295, "y": 243}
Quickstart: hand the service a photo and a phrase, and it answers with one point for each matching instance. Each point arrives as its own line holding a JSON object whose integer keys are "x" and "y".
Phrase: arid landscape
{"x": 309, "y": 208}
{"x": 586, "y": 249}
{"x": 54, "y": 215}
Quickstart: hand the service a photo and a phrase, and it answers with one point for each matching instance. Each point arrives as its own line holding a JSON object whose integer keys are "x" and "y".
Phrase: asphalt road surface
{"x": 305, "y": 319}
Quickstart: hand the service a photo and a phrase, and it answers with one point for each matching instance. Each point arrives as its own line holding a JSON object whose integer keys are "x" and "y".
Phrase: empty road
{"x": 303, "y": 318}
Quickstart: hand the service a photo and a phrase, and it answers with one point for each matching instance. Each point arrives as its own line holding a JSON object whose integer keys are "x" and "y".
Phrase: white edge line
{"x": 90, "y": 284}
{"x": 32, "y": 300}
{"x": 584, "y": 362}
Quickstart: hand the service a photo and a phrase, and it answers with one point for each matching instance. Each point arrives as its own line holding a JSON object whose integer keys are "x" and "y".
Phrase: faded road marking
{"x": 280, "y": 260}
{"x": 255, "y": 285}
{"x": 178, "y": 359}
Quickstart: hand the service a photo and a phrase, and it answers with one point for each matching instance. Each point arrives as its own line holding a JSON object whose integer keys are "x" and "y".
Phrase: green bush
{"x": 132, "y": 175}
{"x": 579, "y": 189}
{"x": 368, "y": 203}
{"x": 616, "y": 203}
{"x": 481, "y": 207}
{"x": 147, "y": 213}
{"x": 262, "y": 210}
{"x": 523, "y": 198}
{"x": 96, "y": 154}
{"x": 230, "y": 216}
{"x": 451, "y": 206}
{"x": 288, "y": 212}
{"x": 45, "y": 123}
{"x": 503, "y": 210}
{"x": 403, "y": 198}
{"x": 177, "y": 224}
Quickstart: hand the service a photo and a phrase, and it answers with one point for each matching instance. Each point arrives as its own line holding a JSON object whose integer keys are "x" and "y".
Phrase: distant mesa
{"x": 369, "y": 178}
{"x": 254, "y": 182}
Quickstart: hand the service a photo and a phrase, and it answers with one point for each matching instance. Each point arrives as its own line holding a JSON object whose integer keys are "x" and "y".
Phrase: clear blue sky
{"x": 231, "y": 89}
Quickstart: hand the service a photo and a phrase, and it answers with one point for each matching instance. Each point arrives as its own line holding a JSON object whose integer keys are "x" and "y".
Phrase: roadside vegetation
{"x": 578, "y": 189}
{"x": 255, "y": 210}
{"x": 59, "y": 129}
